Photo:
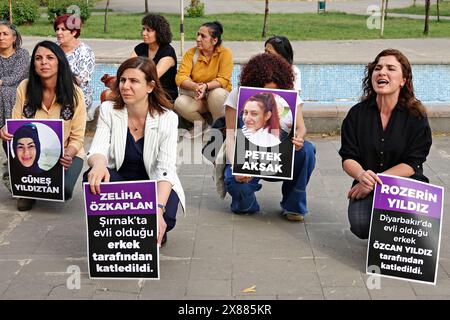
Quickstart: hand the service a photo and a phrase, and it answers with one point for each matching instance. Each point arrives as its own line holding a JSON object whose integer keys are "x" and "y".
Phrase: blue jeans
{"x": 243, "y": 199}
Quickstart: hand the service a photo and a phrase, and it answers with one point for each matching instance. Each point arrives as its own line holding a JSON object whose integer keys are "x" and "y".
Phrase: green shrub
{"x": 195, "y": 9}
{"x": 23, "y": 11}
{"x": 78, "y": 7}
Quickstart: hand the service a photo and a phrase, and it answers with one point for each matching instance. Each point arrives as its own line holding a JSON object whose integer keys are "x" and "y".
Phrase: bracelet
{"x": 162, "y": 207}
{"x": 207, "y": 88}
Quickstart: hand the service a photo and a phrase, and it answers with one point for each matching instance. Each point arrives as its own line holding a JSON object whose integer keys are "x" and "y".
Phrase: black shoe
{"x": 24, "y": 204}
{"x": 164, "y": 239}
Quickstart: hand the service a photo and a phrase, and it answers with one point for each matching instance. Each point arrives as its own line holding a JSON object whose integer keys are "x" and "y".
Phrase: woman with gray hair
{"x": 14, "y": 64}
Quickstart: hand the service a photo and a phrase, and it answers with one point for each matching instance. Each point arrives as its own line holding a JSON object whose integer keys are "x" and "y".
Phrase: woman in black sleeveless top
{"x": 157, "y": 37}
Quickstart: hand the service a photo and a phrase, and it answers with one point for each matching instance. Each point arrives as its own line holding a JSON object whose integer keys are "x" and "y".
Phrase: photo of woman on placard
{"x": 26, "y": 143}
{"x": 27, "y": 150}
{"x": 261, "y": 122}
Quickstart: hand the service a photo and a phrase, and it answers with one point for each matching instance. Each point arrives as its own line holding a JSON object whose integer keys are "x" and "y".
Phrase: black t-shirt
{"x": 168, "y": 79}
{"x": 407, "y": 139}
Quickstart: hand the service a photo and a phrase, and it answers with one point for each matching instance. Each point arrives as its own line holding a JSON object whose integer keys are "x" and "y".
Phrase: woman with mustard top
{"x": 204, "y": 77}
{"x": 50, "y": 93}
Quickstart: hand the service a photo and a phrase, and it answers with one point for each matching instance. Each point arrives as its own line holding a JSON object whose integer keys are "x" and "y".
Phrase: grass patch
{"x": 241, "y": 27}
{"x": 444, "y": 9}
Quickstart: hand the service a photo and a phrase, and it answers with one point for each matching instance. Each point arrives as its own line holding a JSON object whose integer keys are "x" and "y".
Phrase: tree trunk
{"x": 266, "y": 13}
{"x": 105, "y": 26}
{"x": 382, "y": 17}
{"x": 427, "y": 17}
{"x": 386, "y": 9}
{"x": 146, "y": 6}
{"x": 10, "y": 12}
{"x": 437, "y": 8}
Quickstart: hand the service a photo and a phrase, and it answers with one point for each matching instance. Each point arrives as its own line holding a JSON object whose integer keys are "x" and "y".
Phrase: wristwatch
{"x": 163, "y": 207}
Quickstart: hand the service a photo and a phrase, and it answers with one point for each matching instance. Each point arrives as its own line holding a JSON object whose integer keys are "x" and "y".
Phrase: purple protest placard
{"x": 265, "y": 126}
{"x": 408, "y": 196}
{"x": 122, "y": 230}
{"x": 120, "y": 199}
{"x": 33, "y": 159}
{"x": 405, "y": 229}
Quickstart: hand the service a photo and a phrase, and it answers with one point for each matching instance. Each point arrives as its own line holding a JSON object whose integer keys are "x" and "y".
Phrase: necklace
{"x": 135, "y": 128}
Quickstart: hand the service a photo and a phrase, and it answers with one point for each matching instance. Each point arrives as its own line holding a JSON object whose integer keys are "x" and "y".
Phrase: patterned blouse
{"x": 12, "y": 71}
{"x": 82, "y": 63}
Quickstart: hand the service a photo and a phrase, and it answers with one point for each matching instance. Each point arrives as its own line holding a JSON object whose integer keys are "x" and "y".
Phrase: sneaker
{"x": 292, "y": 216}
{"x": 24, "y": 204}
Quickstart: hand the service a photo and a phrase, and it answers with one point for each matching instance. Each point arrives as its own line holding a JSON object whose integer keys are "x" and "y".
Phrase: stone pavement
{"x": 213, "y": 254}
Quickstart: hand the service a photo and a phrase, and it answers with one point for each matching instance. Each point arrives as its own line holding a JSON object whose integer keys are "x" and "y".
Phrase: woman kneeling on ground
{"x": 269, "y": 71}
{"x": 136, "y": 139}
{"x": 387, "y": 132}
{"x": 50, "y": 93}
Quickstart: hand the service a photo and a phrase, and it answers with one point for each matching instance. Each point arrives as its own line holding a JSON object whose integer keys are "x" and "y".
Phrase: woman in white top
{"x": 136, "y": 139}
{"x": 80, "y": 56}
{"x": 281, "y": 46}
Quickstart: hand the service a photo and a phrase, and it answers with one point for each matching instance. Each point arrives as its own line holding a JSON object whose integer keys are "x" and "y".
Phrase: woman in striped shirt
{"x": 136, "y": 139}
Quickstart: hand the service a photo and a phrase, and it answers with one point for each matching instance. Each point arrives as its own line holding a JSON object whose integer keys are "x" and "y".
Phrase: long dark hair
{"x": 65, "y": 87}
{"x": 157, "y": 99}
{"x": 282, "y": 46}
{"x": 406, "y": 99}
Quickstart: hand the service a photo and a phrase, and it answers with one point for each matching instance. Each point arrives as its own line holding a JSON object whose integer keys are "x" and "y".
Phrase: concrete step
{"x": 327, "y": 119}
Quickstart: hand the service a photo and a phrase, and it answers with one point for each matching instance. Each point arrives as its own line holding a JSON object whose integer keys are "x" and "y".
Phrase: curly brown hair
{"x": 161, "y": 27}
{"x": 264, "y": 68}
{"x": 406, "y": 98}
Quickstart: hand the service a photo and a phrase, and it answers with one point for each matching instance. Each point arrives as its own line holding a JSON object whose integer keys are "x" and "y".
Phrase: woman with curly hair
{"x": 156, "y": 46}
{"x": 387, "y": 132}
{"x": 274, "y": 72}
